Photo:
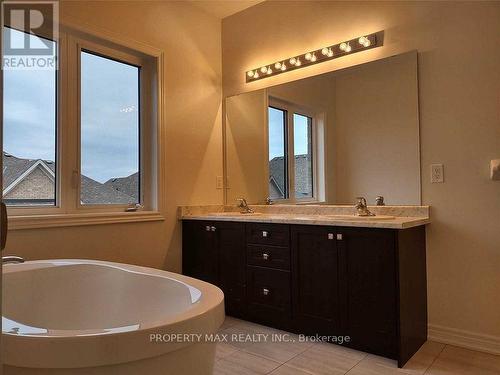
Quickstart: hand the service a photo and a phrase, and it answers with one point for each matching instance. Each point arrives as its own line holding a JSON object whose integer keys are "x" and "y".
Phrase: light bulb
{"x": 324, "y": 51}
{"x": 250, "y": 73}
{"x": 348, "y": 48}
{"x": 330, "y": 53}
{"x": 343, "y": 46}
{"x": 364, "y": 41}
{"x": 293, "y": 61}
{"x": 277, "y": 65}
{"x": 283, "y": 67}
{"x": 308, "y": 56}
{"x": 313, "y": 57}
{"x": 269, "y": 70}
{"x": 298, "y": 63}
{"x": 256, "y": 75}
{"x": 263, "y": 69}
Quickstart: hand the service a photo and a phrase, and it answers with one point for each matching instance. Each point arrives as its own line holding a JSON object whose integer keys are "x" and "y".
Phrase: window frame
{"x": 83, "y": 45}
{"x": 60, "y": 109}
{"x": 313, "y": 135}
{"x": 285, "y": 150}
{"x": 68, "y": 210}
{"x": 291, "y": 109}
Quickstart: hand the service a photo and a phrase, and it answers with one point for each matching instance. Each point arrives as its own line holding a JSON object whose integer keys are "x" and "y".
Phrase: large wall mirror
{"x": 328, "y": 139}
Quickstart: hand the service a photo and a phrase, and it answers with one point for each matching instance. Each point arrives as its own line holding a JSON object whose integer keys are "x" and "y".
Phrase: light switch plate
{"x": 437, "y": 173}
{"x": 219, "y": 182}
{"x": 495, "y": 170}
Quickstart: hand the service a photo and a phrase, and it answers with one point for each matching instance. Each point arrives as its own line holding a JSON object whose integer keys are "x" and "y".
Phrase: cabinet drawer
{"x": 268, "y": 234}
{"x": 268, "y": 292}
{"x": 268, "y": 256}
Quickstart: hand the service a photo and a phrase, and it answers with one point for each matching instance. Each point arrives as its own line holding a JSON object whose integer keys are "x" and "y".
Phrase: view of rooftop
{"x": 33, "y": 181}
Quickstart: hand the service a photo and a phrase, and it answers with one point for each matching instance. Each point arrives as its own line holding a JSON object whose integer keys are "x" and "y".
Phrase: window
{"x": 278, "y": 180}
{"x": 109, "y": 131}
{"x": 291, "y": 132}
{"x": 29, "y": 134}
{"x": 302, "y": 148}
{"x": 82, "y": 138}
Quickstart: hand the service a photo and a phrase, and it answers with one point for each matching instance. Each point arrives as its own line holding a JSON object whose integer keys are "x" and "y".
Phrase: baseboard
{"x": 464, "y": 339}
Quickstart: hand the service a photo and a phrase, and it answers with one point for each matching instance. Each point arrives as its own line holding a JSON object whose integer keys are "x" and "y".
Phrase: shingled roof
{"x": 127, "y": 185}
{"x": 302, "y": 177}
{"x": 93, "y": 192}
{"x": 14, "y": 167}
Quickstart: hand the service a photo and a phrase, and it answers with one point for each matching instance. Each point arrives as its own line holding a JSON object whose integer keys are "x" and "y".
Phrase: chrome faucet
{"x": 362, "y": 207}
{"x": 12, "y": 259}
{"x": 242, "y": 203}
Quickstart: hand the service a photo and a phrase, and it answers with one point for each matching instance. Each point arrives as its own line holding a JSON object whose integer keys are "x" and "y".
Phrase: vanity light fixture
{"x": 359, "y": 44}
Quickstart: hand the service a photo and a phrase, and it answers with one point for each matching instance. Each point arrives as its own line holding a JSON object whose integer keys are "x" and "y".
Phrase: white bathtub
{"x": 84, "y": 317}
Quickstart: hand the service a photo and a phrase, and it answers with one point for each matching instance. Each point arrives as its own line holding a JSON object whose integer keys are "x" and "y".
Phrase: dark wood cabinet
{"x": 230, "y": 238}
{"x": 199, "y": 256}
{"x": 215, "y": 252}
{"x": 268, "y": 295}
{"x": 365, "y": 283}
{"x": 315, "y": 280}
{"x": 368, "y": 281}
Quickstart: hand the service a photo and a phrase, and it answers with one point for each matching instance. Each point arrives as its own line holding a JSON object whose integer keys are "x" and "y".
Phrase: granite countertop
{"x": 391, "y": 217}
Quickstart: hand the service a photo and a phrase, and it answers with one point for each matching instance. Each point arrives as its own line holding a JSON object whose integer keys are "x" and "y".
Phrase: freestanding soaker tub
{"x": 85, "y": 317}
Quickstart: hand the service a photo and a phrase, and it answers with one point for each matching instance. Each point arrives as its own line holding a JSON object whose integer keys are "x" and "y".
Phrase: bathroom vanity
{"x": 318, "y": 275}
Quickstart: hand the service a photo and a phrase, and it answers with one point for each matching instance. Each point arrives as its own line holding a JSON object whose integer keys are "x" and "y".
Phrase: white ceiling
{"x": 224, "y": 8}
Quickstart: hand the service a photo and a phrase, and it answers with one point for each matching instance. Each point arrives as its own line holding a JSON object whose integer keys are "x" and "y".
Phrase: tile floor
{"x": 279, "y": 358}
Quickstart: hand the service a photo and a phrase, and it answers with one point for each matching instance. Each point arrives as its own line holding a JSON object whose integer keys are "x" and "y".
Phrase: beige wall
{"x": 246, "y": 147}
{"x": 459, "y": 84}
{"x": 377, "y": 149}
{"x": 191, "y": 41}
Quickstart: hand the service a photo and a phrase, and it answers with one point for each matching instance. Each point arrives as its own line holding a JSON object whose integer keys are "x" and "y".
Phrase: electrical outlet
{"x": 437, "y": 173}
{"x": 219, "y": 184}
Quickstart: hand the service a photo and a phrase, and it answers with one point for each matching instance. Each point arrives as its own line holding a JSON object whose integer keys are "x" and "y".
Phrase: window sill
{"x": 72, "y": 220}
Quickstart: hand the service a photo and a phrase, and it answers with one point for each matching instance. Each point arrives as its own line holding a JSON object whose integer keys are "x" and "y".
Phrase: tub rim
{"x": 73, "y": 351}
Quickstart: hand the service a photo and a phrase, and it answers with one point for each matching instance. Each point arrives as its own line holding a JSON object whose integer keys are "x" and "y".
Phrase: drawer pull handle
{"x": 264, "y": 233}
{"x": 265, "y": 256}
{"x": 339, "y": 237}
{"x": 265, "y": 291}
{"x": 213, "y": 229}
{"x": 330, "y": 236}
{"x": 207, "y": 228}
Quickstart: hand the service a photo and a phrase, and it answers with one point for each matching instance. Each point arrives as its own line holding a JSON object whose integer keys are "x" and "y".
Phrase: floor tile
{"x": 254, "y": 350}
{"x": 458, "y": 361}
{"x": 242, "y": 363}
{"x": 288, "y": 370}
{"x": 268, "y": 342}
{"x": 229, "y": 321}
{"x": 417, "y": 365}
{"x": 327, "y": 359}
{"x": 223, "y": 350}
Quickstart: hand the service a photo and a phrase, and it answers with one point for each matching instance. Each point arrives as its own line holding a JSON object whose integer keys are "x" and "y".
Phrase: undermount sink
{"x": 234, "y": 214}
{"x": 357, "y": 218}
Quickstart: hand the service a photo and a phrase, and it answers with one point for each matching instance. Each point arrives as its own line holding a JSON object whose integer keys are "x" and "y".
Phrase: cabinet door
{"x": 315, "y": 280}
{"x": 199, "y": 253}
{"x": 369, "y": 288}
{"x": 230, "y": 241}
{"x": 268, "y": 295}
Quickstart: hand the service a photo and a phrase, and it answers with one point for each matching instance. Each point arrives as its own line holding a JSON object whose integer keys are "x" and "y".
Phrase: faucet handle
{"x": 361, "y": 201}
